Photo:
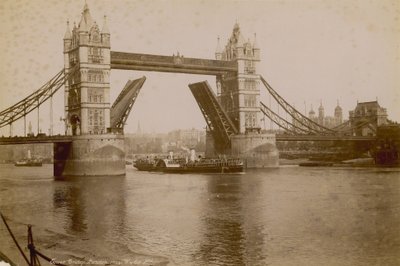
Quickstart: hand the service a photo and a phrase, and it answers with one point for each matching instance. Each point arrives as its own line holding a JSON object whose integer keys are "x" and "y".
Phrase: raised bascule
{"x": 94, "y": 142}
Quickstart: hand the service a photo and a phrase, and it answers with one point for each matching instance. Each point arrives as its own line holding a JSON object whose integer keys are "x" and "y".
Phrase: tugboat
{"x": 29, "y": 161}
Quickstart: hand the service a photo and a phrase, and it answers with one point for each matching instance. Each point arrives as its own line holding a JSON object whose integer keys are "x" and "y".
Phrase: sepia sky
{"x": 311, "y": 51}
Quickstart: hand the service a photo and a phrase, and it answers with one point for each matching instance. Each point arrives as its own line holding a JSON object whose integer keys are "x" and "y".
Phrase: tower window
{"x": 250, "y": 119}
{"x": 249, "y": 67}
{"x": 250, "y": 84}
{"x": 95, "y": 95}
{"x": 95, "y": 55}
{"x": 250, "y": 100}
{"x": 95, "y": 76}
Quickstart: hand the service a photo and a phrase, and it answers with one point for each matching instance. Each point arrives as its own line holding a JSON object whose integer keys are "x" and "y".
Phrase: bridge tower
{"x": 92, "y": 149}
{"x": 239, "y": 95}
{"x": 87, "y": 93}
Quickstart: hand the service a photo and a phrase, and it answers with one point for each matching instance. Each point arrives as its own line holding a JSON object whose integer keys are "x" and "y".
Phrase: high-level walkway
{"x": 173, "y": 64}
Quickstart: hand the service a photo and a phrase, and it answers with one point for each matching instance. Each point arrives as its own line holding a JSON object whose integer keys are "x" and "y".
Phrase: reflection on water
{"x": 223, "y": 239}
{"x": 70, "y": 199}
{"x": 96, "y": 201}
{"x": 285, "y": 216}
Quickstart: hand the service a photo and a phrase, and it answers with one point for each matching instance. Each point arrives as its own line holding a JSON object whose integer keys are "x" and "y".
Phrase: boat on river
{"x": 206, "y": 165}
{"x": 183, "y": 165}
{"x": 147, "y": 164}
{"x": 29, "y": 161}
{"x": 312, "y": 164}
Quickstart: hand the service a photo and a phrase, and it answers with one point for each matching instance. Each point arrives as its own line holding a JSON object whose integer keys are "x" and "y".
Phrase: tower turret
{"x": 338, "y": 114}
{"x": 256, "y": 48}
{"x": 311, "y": 114}
{"x": 67, "y": 38}
{"x": 67, "y": 35}
{"x": 105, "y": 33}
{"x": 83, "y": 31}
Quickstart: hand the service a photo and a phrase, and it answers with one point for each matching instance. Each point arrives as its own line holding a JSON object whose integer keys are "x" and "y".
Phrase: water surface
{"x": 284, "y": 216}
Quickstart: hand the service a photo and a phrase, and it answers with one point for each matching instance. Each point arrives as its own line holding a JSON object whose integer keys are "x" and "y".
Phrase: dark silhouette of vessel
{"x": 202, "y": 165}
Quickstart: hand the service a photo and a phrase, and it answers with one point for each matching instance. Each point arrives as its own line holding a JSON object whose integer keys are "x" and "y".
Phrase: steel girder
{"x": 221, "y": 127}
{"x": 345, "y": 126}
{"x": 123, "y": 104}
{"x": 34, "y": 100}
{"x": 281, "y": 122}
{"x": 296, "y": 115}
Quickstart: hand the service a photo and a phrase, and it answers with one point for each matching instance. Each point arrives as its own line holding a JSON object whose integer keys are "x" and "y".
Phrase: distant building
{"x": 188, "y": 137}
{"x": 338, "y": 114}
{"x": 177, "y": 140}
{"x": 321, "y": 115}
{"x": 366, "y": 118}
{"x": 327, "y": 121}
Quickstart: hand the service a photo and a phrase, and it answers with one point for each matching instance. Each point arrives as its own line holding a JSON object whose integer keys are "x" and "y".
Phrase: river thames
{"x": 285, "y": 216}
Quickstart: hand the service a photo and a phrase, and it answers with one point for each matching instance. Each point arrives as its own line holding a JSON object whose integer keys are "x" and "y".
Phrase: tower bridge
{"x": 94, "y": 127}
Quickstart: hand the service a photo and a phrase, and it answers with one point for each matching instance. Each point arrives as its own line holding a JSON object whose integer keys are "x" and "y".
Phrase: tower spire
{"x": 86, "y": 16}
{"x": 105, "y": 29}
{"x": 85, "y": 7}
{"x": 218, "y": 49}
{"x": 82, "y": 24}
{"x": 320, "y": 105}
{"x": 67, "y": 35}
{"x": 255, "y": 44}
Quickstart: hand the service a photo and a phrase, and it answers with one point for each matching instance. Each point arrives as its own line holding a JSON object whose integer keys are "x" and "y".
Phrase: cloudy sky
{"x": 311, "y": 51}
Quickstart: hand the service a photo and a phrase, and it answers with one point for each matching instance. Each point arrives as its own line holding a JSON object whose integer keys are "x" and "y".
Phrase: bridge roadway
{"x": 172, "y": 64}
{"x": 284, "y": 137}
{"x": 33, "y": 140}
{"x": 279, "y": 137}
